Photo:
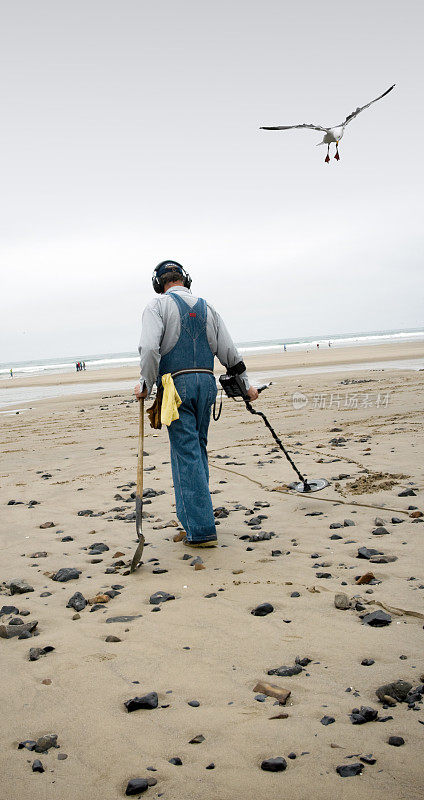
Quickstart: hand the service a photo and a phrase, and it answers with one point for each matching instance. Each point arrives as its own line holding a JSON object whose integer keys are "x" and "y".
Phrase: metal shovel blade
{"x": 139, "y": 551}
{"x": 310, "y": 485}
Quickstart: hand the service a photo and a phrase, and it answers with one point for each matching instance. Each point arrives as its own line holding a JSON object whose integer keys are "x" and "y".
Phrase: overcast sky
{"x": 130, "y": 134}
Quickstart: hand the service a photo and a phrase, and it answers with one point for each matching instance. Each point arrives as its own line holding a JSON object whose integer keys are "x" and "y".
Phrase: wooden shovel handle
{"x": 140, "y": 449}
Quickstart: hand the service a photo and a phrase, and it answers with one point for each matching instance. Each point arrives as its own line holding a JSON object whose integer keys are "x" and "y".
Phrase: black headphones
{"x": 174, "y": 266}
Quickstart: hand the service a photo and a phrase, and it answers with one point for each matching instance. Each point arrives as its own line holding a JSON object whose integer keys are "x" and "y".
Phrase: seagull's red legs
{"x": 327, "y": 158}
{"x": 337, "y": 157}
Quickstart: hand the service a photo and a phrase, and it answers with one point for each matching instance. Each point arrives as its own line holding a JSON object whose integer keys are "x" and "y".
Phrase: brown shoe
{"x": 210, "y": 543}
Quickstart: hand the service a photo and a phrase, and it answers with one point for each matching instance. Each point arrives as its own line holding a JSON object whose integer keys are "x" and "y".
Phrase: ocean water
{"x": 63, "y": 365}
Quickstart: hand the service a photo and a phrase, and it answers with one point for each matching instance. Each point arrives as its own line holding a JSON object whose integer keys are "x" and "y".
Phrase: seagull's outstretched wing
{"x": 289, "y": 127}
{"x": 358, "y": 110}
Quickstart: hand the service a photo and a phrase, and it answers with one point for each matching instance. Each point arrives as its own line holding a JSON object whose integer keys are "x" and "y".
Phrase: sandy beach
{"x": 77, "y": 459}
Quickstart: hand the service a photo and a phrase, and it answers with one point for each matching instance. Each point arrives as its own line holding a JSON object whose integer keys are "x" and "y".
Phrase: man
{"x": 180, "y": 335}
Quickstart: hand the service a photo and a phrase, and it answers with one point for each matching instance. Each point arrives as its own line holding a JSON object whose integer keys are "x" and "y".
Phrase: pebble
{"x": 396, "y": 741}
{"x": 367, "y": 662}
{"x": 44, "y": 743}
{"x": 21, "y": 631}
{"x": 193, "y": 703}
{"x": 197, "y": 739}
{"x": 20, "y": 586}
{"x": 148, "y": 701}
{"x": 377, "y": 619}
{"x": 278, "y": 764}
{"x": 363, "y": 714}
{"x": 342, "y": 601}
{"x": 262, "y": 610}
{"x": 349, "y": 770}
{"x": 136, "y": 786}
{"x": 398, "y": 690}
{"x": 77, "y": 602}
{"x": 123, "y": 618}
{"x": 113, "y": 639}
{"x": 37, "y": 766}
{"x": 160, "y": 597}
{"x": 66, "y": 574}
{"x": 36, "y": 652}
{"x": 176, "y": 761}
{"x": 327, "y": 720}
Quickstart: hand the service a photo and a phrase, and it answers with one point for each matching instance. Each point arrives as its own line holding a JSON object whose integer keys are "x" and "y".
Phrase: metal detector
{"x": 233, "y": 386}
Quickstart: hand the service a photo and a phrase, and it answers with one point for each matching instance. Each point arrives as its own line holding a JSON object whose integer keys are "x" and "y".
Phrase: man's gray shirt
{"x": 161, "y": 324}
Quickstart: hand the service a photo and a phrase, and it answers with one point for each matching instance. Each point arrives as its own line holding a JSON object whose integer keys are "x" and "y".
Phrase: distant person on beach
{"x": 285, "y": 348}
{"x": 11, "y": 372}
{"x": 329, "y": 344}
{"x": 180, "y": 335}
{"x": 317, "y": 345}
{"x": 83, "y": 365}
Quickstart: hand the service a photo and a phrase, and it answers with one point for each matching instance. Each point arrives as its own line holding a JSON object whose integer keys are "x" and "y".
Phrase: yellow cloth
{"x": 171, "y": 400}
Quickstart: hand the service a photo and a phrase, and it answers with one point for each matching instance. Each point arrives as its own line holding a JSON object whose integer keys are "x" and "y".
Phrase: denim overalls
{"x": 188, "y": 434}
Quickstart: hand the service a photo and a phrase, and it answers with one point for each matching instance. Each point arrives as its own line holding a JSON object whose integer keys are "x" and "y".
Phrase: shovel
{"x": 139, "y": 492}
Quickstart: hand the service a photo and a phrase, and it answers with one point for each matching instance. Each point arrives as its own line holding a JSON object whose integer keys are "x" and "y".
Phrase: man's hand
{"x": 252, "y": 394}
{"x": 140, "y": 395}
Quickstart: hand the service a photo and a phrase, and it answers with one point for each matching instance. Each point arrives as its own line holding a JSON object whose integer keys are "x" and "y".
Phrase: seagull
{"x": 333, "y": 134}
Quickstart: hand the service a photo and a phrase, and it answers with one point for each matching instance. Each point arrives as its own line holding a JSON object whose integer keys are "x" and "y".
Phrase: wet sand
{"x": 74, "y": 455}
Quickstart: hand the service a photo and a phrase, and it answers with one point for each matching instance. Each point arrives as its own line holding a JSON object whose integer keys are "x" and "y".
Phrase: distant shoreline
{"x": 314, "y": 357}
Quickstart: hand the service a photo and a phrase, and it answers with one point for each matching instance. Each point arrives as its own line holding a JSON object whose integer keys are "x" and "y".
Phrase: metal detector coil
{"x": 234, "y": 387}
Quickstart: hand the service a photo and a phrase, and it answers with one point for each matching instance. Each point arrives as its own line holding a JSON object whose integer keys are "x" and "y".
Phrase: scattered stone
{"x": 367, "y": 552}
{"x": 398, "y": 690}
{"x": 29, "y": 744}
{"x": 77, "y": 602}
{"x": 210, "y": 766}
{"x": 377, "y": 619}
{"x": 148, "y": 701}
{"x": 40, "y": 554}
{"x": 278, "y": 764}
{"x": 407, "y": 493}
{"x": 66, "y": 574}
{"x": 349, "y": 770}
{"x": 271, "y": 690}
{"x": 342, "y": 601}
{"x": 327, "y": 720}
{"x": 380, "y": 531}
{"x": 369, "y": 759}
{"x": 113, "y": 639}
{"x": 367, "y": 662}
{"x": 160, "y": 597}
{"x": 62, "y": 756}
{"x": 193, "y": 703}
{"x": 22, "y": 631}
{"x": 47, "y": 525}
{"x": 37, "y": 766}
{"x": 44, "y": 743}
{"x": 197, "y": 739}
{"x": 20, "y": 586}
{"x": 124, "y": 618}
{"x": 285, "y": 671}
{"x": 396, "y": 741}
{"x": 176, "y": 761}
{"x": 136, "y": 786}
{"x": 37, "y": 652}
{"x": 262, "y": 610}
{"x": 383, "y": 559}
{"x": 367, "y": 578}
{"x": 364, "y": 714}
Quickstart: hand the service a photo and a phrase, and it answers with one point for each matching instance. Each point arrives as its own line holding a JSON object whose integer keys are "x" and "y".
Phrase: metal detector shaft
{"x": 279, "y": 442}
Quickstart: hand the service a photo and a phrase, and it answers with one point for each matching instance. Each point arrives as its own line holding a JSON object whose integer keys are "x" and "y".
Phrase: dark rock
{"x": 327, "y": 720}
{"x": 367, "y": 552}
{"x": 212, "y": 594}
{"x": 29, "y": 744}
{"x": 20, "y": 586}
{"x": 136, "y": 786}
{"x": 37, "y": 652}
{"x": 148, "y": 701}
{"x": 262, "y": 610}
{"x": 348, "y": 523}
{"x": 197, "y": 739}
{"x": 8, "y": 610}
{"x": 160, "y": 597}
{"x": 336, "y": 525}
{"x": 362, "y": 715}
{"x": 367, "y": 662}
{"x": 295, "y": 594}
{"x": 210, "y": 766}
{"x": 383, "y": 559}
{"x": 37, "y": 766}
{"x": 124, "y": 618}
{"x": 323, "y": 574}
{"x": 377, "y": 619}
{"x": 349, "y": 770}
{"x": 77, "y": 602}
{"x": 66, "y": 574}
{"x": 67, "y": 539}
{"x": 44, "y": 743}
{"x": 97, "y": 548}
{"x": 396, "y": 741}
{"x": 176, "y": 761}
{"x": 380, "y": 531}
{"x": 113, "y": 639}
{"x": 278, "y": 764}
{"x": 193, "y": 703}
{"x": 407, "y": 493}
{"x": 397, "y": 520}
{"x": 285, "y": 671}
{"x": 399, "y": 690}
